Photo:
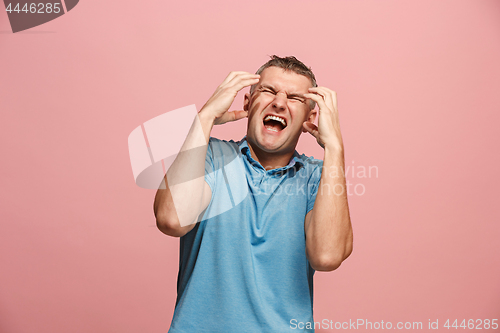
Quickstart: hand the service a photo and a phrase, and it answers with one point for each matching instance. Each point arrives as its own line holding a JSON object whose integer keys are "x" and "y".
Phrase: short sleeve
{"x": 210, "y": 167}
{"x": 312, "y": 186}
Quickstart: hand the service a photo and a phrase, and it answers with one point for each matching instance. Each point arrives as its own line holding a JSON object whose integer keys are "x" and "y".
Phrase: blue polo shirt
{"x": 243, "y": 267}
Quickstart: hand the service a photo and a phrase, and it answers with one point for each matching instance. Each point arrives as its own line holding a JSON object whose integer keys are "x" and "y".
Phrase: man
{"x": 248, "y": 264}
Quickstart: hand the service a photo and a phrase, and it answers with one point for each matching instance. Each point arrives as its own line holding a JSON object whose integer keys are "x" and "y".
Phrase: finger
{"x": 235, "y": 80}
{"x": 318, "y": 99}
{"x": 231, "y": 75}
{"x": 329, "y": 96}
{"x": 240, "y": 114}
{"x": 245, "y": 83}
{"x": 231, "y": 116}
{"x": 323, "y": 92}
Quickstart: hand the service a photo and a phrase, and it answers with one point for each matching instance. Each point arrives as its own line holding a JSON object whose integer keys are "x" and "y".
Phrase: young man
{"x": 256, "y": 219}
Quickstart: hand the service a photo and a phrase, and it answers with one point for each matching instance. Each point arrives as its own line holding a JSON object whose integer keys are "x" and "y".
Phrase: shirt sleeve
{"x": 312, "y": 186}
{"x": 210, "y": 167}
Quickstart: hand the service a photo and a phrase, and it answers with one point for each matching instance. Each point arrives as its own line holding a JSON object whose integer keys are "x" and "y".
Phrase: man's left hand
{"x": 327, "y": 133}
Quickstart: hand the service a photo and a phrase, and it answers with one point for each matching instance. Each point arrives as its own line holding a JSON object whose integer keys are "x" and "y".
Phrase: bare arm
{"x": 184, "y": 194}
{"x": 327, "y": 226}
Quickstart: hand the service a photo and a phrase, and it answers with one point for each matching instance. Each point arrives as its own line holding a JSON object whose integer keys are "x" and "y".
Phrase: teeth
{"x": 271, "y": 129}
{"x": 281, "y": 120}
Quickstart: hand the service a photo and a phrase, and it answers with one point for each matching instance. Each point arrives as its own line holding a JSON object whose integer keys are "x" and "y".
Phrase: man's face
{"x": 277, "y": 109}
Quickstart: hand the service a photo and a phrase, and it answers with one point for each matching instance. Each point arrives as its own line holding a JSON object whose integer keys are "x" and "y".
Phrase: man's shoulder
{"x": 227, "y": 150}
{"x": 216, "y": 141}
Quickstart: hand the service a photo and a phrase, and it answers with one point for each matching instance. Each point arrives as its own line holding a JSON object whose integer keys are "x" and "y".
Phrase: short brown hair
{"x": 288, "y": 64}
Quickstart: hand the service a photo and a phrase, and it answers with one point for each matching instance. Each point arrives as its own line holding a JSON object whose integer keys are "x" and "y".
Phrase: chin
{"x": 274, "y": 145}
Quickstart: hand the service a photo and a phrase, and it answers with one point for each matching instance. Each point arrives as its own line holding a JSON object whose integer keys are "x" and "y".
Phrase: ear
{"x": 310, "y": 118}
{"x": 246, "y": 102}
{"x": 312, "y": 115}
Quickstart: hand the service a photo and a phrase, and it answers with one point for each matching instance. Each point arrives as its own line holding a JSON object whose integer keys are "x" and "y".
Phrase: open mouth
{"x": 274, "y": 123}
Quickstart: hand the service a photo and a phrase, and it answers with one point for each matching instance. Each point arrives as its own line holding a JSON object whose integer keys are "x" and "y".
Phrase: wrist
{"x": 207, "y": 118}
{"x": 334, "y": 153}
{"x": 207, "y": 122}
{"x": 334, "y": 148}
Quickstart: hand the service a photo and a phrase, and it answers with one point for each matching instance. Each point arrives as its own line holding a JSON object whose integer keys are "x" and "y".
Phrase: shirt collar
{"x": 243, "y": 144}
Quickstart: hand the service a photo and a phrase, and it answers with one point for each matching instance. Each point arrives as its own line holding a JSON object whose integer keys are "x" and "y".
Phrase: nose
{"x": 279, "y": 101}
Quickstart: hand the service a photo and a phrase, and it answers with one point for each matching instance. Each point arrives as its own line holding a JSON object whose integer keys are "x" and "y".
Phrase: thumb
{"x": 231, "y": 116}
{"x": 240, "y": 115}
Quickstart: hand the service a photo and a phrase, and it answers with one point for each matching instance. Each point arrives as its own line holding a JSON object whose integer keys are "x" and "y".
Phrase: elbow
{"x": 330, "y": 262}
{"x": 326, "y": 263}
{"x": 168, "y": 227}
{"x": 168, "y": 223}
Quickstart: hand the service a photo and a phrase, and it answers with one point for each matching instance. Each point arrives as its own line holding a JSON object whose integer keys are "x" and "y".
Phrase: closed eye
{"x": 298, "y": 99}
{"x": 268, "y": 91}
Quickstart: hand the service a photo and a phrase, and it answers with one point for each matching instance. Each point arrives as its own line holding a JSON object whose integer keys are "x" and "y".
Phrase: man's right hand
{"x": 216, "y": 108}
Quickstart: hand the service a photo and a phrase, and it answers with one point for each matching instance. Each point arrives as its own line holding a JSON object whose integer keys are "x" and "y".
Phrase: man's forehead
{"x": 279, "y": 78}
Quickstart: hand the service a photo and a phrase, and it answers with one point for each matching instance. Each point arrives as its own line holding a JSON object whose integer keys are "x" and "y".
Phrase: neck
{"x": 270, "y": 160}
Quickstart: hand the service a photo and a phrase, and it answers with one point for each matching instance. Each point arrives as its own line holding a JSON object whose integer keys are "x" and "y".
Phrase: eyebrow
{"x": 288, "y": 95}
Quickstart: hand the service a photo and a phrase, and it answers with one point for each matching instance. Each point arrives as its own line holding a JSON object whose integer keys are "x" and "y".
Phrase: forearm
{"x": 183, "y": 194}
{"x": 179, "y": 200}
{"x": 329, "y": 233}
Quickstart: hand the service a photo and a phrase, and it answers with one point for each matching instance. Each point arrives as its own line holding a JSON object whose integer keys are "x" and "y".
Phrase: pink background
{"x": 417, "y": 83}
